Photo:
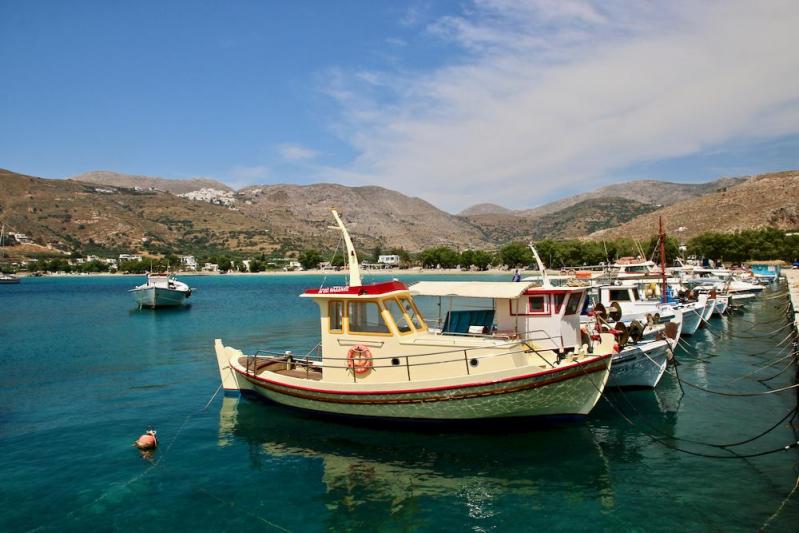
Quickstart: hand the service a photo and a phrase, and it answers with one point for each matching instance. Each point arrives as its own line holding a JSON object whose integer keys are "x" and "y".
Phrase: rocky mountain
{"x": 643, "y": 191}
{"x": 584, "y": 213}
{"x": 290, "y": 217}
{"x": 266, "y": 218}
{"x": 571, "y": 222}
{"x": 115, "y": 179}
{"x": 765, "y": 200}
{"x": 484, "y": 209}
{"x": 375, "y": 215}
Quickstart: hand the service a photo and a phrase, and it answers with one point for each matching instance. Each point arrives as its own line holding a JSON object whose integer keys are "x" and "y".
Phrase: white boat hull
{"x": 639, "y": 365}
{"x": 710, "y": 305}
{"x": 159, "y": 297}
{"x": 721, "y": 305}
{"x": 692, "y": 318}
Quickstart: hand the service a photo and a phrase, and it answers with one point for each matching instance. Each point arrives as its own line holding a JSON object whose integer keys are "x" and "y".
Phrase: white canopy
{"x": 471, "y": 289}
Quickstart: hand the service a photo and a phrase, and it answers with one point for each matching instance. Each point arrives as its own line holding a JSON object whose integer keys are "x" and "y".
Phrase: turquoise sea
{"x": 83, "y": 373}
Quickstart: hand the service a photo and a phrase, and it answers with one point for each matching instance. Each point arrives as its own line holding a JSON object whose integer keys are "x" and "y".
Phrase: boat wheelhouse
{"x": 379, "y": 358}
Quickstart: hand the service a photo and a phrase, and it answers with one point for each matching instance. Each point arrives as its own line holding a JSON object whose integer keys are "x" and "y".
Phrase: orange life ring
{"x": 359, "y": 359}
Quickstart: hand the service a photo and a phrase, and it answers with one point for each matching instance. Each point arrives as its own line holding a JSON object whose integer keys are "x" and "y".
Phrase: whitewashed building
{"x": 389, "y": 260}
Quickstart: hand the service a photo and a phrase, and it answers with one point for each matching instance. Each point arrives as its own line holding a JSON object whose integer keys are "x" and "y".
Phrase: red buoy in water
{"x": 148, "y": 441}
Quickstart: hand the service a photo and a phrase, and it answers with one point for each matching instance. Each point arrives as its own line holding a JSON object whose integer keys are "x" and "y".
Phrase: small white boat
{"x": 639, "y": 365}
{"x": 161, "y": 290}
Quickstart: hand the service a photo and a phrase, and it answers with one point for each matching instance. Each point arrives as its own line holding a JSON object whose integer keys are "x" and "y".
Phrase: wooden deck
{"x": 294, "y": 369}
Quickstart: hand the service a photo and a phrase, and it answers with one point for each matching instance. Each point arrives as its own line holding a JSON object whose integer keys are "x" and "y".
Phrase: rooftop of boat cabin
{"x": 365, "y": 291}
{"x": 498, "y": 290}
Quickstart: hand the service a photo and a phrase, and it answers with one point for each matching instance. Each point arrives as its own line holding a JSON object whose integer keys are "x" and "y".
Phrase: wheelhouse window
{"x": 574, "y": 304}
{"x": 336, "y": 311}
{"x": 557, "y": 302}
{"x": 537, "y": 304}
{"x": 410, "y": 309}
{"x": 619, "y": 295}
{"x": 365, "y": 318}
{"x": 399, "y": 317}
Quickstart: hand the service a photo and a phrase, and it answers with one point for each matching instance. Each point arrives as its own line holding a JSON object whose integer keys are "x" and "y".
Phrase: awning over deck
{"x": 471, "y": 289}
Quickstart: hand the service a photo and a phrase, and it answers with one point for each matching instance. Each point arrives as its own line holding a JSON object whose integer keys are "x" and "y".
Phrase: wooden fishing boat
{"x": 378, "y": 358}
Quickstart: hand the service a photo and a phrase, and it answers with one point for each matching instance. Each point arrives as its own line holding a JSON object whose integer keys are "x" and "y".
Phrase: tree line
{"x": 761, "y": 244}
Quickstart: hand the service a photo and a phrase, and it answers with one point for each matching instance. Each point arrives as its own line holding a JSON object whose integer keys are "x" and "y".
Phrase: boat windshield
{"x": 399, "y": 317}
{"x": 410, "y": 309}
{"x": 365, "y": 318}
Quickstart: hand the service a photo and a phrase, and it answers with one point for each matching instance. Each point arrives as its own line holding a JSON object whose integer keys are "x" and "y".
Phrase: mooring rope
{"x": 737, "y": 394}
{"x": 659, "y": 440}
{"x": 712, "y": 444}
{"x": 781, "y": 507}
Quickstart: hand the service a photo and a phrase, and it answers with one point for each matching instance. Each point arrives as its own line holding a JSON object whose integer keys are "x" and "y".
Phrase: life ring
{"x": 359, "y": 359}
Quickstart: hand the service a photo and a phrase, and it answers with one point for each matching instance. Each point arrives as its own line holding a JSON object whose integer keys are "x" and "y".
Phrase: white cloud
{"x": 244, "y": 175}
{"x": 552, "y": 94}
{"x": 295, "y": 152}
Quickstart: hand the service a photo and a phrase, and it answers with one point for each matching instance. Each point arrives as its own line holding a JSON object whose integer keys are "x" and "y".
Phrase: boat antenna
{"x": 662, "y": 239}
{"x": 355, "y": 270}
{"x": 541, "y": 269}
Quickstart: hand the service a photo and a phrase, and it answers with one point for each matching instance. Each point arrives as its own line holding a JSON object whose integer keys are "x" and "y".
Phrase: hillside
{"x": 71, "y": 214}
{"x": 89, "y": 216}
{"x": 765, "y": 200}
{"x": 115, "y": 179}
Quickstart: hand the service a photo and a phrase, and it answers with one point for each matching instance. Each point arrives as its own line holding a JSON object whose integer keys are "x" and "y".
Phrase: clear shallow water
{"x": 82, "y": 373}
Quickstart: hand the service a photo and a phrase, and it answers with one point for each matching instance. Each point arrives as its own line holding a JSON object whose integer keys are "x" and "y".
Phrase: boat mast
{"x": 355, "y": 270}
{"x": 662, "y": 238}
{"x": 541, "y": 269}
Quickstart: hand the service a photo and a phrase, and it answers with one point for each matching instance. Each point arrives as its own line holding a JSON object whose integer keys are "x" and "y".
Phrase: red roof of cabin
{"x": 374, "y": 289}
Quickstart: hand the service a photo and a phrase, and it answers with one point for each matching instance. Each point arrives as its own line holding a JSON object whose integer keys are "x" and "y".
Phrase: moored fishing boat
{"x": 640, "y": 365}
{"x": 161, "y": 290}
{"x": 378, "y": 358}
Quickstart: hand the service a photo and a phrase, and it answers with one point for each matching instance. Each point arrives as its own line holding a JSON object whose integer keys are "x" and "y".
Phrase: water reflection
{"x": 363, "y": 467}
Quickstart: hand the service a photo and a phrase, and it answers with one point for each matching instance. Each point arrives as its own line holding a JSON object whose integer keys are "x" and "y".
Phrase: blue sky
{"x": 458, "y": 102}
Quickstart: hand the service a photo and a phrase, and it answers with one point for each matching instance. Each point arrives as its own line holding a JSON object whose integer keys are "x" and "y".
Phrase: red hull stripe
{"x": 429, "y": 389}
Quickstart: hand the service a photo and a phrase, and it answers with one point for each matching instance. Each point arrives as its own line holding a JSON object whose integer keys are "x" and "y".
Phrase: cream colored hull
{"x": 572, "y": 388}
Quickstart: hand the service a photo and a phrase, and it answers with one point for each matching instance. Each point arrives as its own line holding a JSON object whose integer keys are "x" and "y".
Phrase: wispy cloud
{"x": 295, "y": 152}
{"x": 246, "y": 175}
{"x": 553, "y": 94}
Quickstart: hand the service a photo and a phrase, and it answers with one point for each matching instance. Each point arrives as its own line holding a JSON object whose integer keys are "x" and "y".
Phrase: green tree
{"x": 310, "y": 259}
{"x": 516, "y": 254}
